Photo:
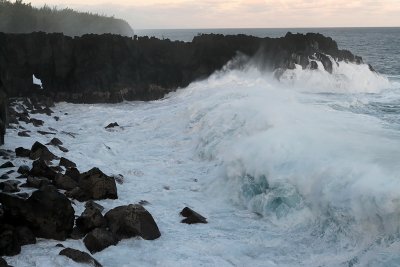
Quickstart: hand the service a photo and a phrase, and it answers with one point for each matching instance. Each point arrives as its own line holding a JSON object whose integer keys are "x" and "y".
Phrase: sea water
{"x": 301, "y": 171}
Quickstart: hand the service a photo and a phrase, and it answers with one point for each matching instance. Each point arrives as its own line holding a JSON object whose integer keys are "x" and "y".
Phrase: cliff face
{"x": 110, "y": 68}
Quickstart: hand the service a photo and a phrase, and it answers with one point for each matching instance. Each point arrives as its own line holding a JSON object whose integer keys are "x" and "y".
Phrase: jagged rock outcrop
{"x": 110, "y": 68}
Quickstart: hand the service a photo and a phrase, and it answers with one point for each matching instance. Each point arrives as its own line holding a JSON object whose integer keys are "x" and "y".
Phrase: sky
{"x": 184, "y": 14}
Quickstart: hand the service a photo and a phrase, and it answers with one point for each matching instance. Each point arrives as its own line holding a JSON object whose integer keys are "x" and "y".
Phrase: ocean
{"x": 301, "y": 171}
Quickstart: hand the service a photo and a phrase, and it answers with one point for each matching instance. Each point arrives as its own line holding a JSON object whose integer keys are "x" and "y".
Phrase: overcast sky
{"x": 159, "y": 14}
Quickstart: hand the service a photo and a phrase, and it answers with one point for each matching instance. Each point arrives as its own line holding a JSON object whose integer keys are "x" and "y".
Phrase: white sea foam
{"x": 325, "y": 179}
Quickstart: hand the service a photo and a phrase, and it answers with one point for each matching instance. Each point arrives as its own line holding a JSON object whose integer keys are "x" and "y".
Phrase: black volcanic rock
{"x": 110, "y": 68}
{"x": 79, "y": 256}
{"x": 112, "y": 125}
{"x": 90, "y": 219}
{"x": 192, "y": 217}
{"x": 41, "y": 169}
{"x": 46, "y": 212}
{"x": 99, "y": 239}
{"x": 9, "y": 243}
{"x": 96, "y": 185}
{"x": 39, "y": 150}
{"x": 22, "y": 152}
{"x": 8, "y": 164}
{"x": 132, "y": 220}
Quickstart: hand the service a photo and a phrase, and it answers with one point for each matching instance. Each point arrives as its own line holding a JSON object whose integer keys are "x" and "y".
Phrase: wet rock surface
{"x": 132, "y": 220}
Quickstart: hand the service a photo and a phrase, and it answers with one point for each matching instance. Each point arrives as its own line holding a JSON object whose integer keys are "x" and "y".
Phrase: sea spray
{"x": 285, "y": 152}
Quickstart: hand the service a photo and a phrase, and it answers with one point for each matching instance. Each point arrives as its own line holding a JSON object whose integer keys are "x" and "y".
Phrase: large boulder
{"x": 48, "y": 213}
{"x": 99, "y": 239}
{"x": 96, "y": 185}
{"x": 132, "y": 220}
{"x": 79, "y": 256}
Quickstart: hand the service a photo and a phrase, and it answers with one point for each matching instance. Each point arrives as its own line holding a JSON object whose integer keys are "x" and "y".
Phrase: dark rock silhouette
{"x": 192, "y": 217}
{"x": 46, "y": 212}
{"x": 112, "y": 68}
{"x": 99, "y": 239}
{"x": 130, "y": 221}
{"x": 79, "y": 256}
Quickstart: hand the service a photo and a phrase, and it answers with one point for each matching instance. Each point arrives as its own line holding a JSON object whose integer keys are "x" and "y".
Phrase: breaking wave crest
{"x": 288, "y": 154}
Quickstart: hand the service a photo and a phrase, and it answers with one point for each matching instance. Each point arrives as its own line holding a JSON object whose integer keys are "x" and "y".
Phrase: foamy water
{"x": 298, "y": 172}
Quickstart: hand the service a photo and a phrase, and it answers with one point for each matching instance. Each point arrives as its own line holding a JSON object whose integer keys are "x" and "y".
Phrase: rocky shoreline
{"x": 111, "y": 68}
{"x": 38, "y": 201}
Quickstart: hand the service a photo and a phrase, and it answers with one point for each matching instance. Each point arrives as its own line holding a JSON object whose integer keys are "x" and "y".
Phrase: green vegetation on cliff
{"x": 19, "y": 17}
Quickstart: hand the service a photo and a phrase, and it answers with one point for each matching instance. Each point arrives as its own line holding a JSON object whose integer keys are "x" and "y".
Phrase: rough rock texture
{"x": 110, "y": 68}
{"x": 99, "y": 239}
{"x": 96, "y": 185}
{"x": 132, "y": 220}
{"x": 46, "y": 212}
{"x": 79, "y": 256}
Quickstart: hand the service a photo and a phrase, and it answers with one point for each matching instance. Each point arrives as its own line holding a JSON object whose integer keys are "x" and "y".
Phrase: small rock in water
{"x": 24, "y": 134}
{"x": 112, "y": 125}
{"x": 79, "y": 256}
{"x": 119, "y": 178}
{"x": 55, "y": 142}
{"x": 8, "y": 164}
{"x": 144, "y": 202}
{"x": 36, "y": 122}
{"x": 56, "y": 118}
{"x": 45, "y": 133}
{"x": 63, "y": 149}
{"x": 4, "y": 177}
{"x": 192, "y": 217}
{"x": 22, "y": 152}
